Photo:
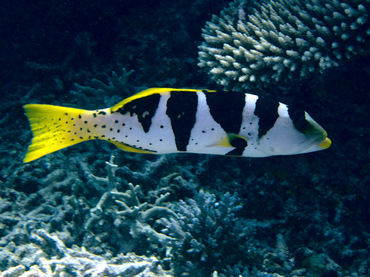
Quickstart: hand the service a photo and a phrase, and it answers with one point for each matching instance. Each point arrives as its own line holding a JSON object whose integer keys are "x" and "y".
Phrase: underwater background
{"x": 93, "y": 210}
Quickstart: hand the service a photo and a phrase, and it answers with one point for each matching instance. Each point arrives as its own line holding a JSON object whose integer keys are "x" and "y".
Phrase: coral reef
{"x": 48, "y": 256}
{"x": 209, "y": 229}
{"x": 110, "y": 94}
{"x": 283, "y": 216}
{"x": 265, "y": 43}
{"x": 133, "y": 216}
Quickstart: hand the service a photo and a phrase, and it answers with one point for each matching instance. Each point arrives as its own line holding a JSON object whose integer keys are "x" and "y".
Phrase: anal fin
{"x": 130, "y": 148}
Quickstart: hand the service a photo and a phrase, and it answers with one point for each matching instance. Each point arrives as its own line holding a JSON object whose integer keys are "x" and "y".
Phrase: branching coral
{"x": 117, "y": 85}
{"x": 53, "y": 258}
{"x": 138, "y": 215}
{"x": 275, "y": 42}
{"x": 211, "y": 237}
{"x": 131, "y": 215}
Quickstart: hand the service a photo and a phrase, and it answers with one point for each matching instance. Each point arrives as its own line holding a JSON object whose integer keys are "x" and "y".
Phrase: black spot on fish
{"x": 226, "y": 109}
{"x": 118, "y": 131}
{"x": 103, "y": 126}
{"x": 116, "y": 121}
{"x": 85, "y": 122}
{"x": 102, "y": 113}
{"x": 181, "y": 109}
{"x": 79, "y": 116}
{"x": 297, "y": 115}
{"x": 267, "y": 112}
{"x": 144, "y": 108}
{"x": 94, "y": 114}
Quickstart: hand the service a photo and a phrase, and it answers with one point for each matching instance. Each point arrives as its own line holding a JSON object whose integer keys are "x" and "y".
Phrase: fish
{"x": 170, "y": 120}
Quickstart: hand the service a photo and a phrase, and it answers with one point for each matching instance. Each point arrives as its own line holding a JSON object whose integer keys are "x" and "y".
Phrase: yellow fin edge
{"x": 129, "y": 148}
{"x": 147, "y": 92}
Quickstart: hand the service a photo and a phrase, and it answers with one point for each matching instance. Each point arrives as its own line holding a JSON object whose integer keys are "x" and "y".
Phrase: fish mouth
{"x": 325, "y": 144}
{"x": 321, "y": 144}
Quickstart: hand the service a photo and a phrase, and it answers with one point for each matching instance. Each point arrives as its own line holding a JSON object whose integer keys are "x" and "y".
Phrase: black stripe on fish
{"x": 226, "y": 109}
{"x": 298, "y": 117}
{"x": 144, "y": 108}
{"x": 267, "y": 112}
{"x": 181, "y": 109}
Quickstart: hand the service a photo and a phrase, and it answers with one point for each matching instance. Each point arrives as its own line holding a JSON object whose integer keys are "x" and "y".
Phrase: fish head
{"x": 287, "y": 138}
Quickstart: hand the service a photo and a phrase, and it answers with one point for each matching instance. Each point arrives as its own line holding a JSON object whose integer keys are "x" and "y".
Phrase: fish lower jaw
{"x": 325, "y": 144}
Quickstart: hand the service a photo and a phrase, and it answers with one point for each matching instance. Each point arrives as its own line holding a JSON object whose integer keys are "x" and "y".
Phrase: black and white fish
{"x": 167, "y": 120}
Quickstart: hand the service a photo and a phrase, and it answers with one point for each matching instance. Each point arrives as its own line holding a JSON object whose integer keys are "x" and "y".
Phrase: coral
{"x": 138, "y": 215}
{"x": 137, "y": 218}
{"x": 322, "y": 215}
{"x": 117, "y": 86}
{"x": 211, "y": 237}
{"x": 265, "y": 43}
{"x": 52, "y": 258}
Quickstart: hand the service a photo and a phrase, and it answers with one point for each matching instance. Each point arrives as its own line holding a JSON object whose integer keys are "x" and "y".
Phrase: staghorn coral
{"x": 138, "y": 215}
{"x": 133, "y": 218}
{"x": 117, "y": 85}
{"x": 51, "y": 257}
{"x": 276, "y": 42}
{"x": 210, "y": 236}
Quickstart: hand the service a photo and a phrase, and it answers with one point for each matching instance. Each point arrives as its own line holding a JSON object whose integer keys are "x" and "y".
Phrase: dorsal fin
{"x": 145, "y": 93}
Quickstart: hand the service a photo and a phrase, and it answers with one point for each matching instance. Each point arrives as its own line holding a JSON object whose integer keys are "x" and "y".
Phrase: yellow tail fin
{"x": 54, "y": 128}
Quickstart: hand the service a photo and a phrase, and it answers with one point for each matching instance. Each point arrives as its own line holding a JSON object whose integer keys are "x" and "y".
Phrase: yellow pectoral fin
{"x": 237, "y": 142}
{"x": 224, "y": 142}
{"x": 130, "y": 148}
{"x": 231, "y": 140}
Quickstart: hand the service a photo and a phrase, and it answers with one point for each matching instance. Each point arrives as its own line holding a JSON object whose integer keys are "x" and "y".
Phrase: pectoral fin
{"x": 235, "y": 141}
